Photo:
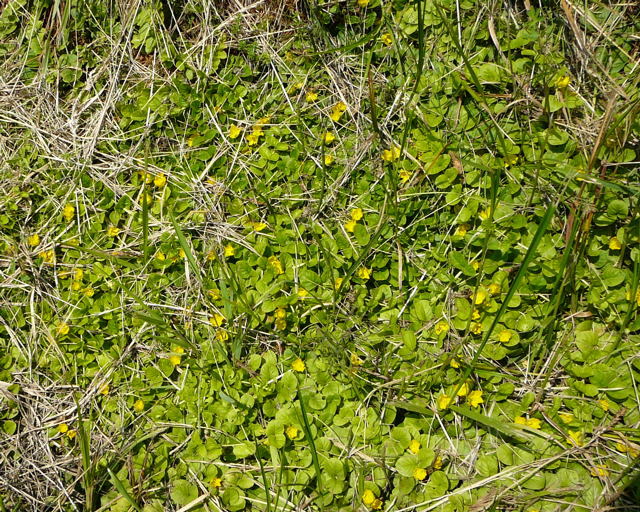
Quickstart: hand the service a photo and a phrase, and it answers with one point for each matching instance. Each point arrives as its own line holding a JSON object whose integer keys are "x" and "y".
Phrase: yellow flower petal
{"x": 292, "y": 432}
{"x": 234, "y": 131}
{"x": 368, "y": 497}
{"x": 34, "y": 240}
{"x": 216, "y": 320}
{"x": 475, "y": 398}
{"x": 444, "y": 401}
{"x": 614, "y": 244}
{"x": 364, "y": 273}
{"x": 298, "y": 365}
{"x": 356, "y": 214}
{"x": 68, "y": 211}
{"x": 419, "y": 473}
{"x": 160, "y": 180}
{"x": 414, "y": 446}
{"x": 441, "y": 327}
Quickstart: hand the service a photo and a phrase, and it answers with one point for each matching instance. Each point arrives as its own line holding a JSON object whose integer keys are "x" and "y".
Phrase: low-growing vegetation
{"x": 319, "y": 255}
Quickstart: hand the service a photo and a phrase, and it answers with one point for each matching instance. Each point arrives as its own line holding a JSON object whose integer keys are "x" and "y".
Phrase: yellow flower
{"x": 368, "y": 497}
{"x": 216, "y": 320}
{"x": 302, "y": 293}
{"x": 404, "y": 175}
{"x": 234, "y": 131}
{"x": 328, "y": 138}
{"x": 364, "y": 273}
{"x": 71, "y": 434}
{"x": 160, "y": 180}
{"x": 363, "y": 3}
{"x": 63, "y": 428}
{"x": 476, "y": 328}
{"x": 337, "y": 111}
{"x": 263, "y": 121}
{"x": 190, "y": 141}
{"x": 222, "y": 335}
{"x": 563, "y": 82}
{"x": 505, "y": 336}
{"x": 494, "y": 289}
{"x": 76, "y": 285}
{"x": 391, "y": 155}
{"x": 441, "y": 327}
{"x": 626, "y": 448}
{"x": 113, "y": 231}
{"x": 211, "y": 256}
{"x": 510, "y": 160}
{"x": 216, "y": 482}
{"x": 292, "y": 432}
{"x": 229, "y": 251}
{"x": 63, "y": 328}
{"x": 275, "y": 263}
{"x": 454, "y": 363}
{"x": 88, "y": 291}
{"x": 444, "y": 401}
{"x": 600, "y": 470}
{"x": 475, "y": 398}
{"x": 104, "y": 390}
{"x": 328, "y": 160}
{"x": 437, "y": 464}
{"x": 174, "y": 360}
{"x": 78, "y": 274}
{"x": 350, "y": 226}
{"x": 138, "y": 406}
{"x": 160, "y": 256}
{"x": 257, "y": 226}
{"x": 68, "y": 211}
{"x": 377, "y": 503}
{"x": 178, "y": 349}
{"x": 462, "y": 229}
{"x": 566, "y": 417}
{"x": 485, "y": 214}
{"x": 604, "y": 404}
{"x": 252, "y": 138}
{"x": 337, "y": 282}
{"x": 356, "y": 361}
{"x": 280, "y": 313}
{"x": 480, "y": 296}
{"x": 298, "y": 365}
{"x": 311, "y": 96}
{"x": 419, "y": 473}
{"x": 356, "y": 214}
{"x": 576, "y": 438}
{"x": 387, "y": 38}
{"x": 534, "y": 423}
{"x": 215, "y": 294}
{"x": 281, "y": 324}
{"x": 475, "y": 314}
{"x": 464, "y": 389}
{"x": 614, "y": 244}
{"x": 47, "y": 256}
{"x": 475, "y": 264}
{"x": 414, "y": 446}
{"x": 34, "y": 240}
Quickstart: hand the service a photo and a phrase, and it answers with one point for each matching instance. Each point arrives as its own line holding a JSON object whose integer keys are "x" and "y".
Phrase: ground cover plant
{"x": 321, "y": 255}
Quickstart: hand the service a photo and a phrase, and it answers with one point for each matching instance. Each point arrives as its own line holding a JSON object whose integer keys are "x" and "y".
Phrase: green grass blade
{"x": 117, "y": 483}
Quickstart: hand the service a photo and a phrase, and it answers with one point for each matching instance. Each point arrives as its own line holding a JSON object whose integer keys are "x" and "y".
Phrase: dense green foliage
{"x": 330, "y": 256}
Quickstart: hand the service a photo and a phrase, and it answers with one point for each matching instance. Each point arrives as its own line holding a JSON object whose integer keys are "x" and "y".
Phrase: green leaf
{"x": 183, "y": 492}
